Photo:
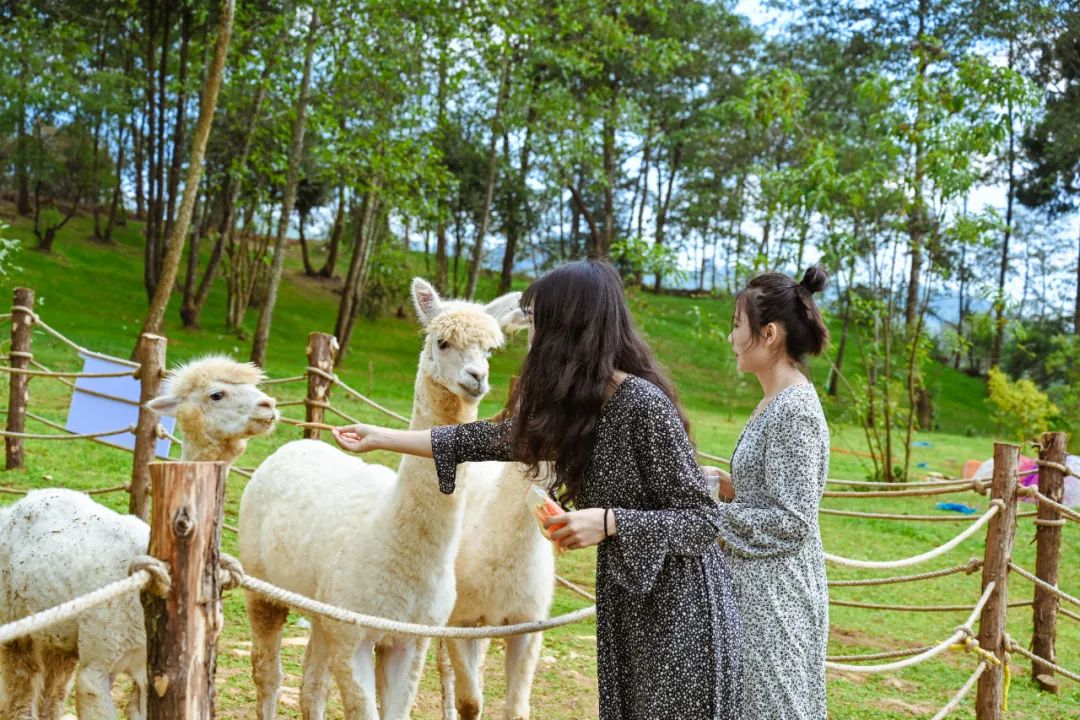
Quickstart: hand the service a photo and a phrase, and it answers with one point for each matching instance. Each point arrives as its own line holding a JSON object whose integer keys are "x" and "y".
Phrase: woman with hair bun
{"x": 770, "y": 526}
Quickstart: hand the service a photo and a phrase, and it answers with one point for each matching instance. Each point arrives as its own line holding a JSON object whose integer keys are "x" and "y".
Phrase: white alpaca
{"x": 505, "y": 575}
{"x": 58, "y": 544}
{"x": 326, "y": 524}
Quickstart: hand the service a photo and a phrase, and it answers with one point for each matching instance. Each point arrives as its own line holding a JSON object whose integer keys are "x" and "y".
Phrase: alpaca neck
{"x": 200, "y": 448}
{"x": 417, "y": 493}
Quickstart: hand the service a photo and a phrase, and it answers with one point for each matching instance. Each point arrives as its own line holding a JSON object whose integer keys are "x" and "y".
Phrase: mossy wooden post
{"x": 999, "y": 540}
{"x": 22, "y": 325}
{"x": 321, "y": 349}
{"x": 182, "y": 629}
{"x": 150, "y": 354}
{"x": 1047, "y": 553}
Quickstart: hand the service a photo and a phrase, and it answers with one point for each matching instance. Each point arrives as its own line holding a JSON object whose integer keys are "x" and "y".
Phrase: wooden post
{"x": 182, "y": 629}
{"x": 22, "y": 325}
{"x": 150, "y": 354}
{"x": 1048, "y": 547}
{"x": 999, "y": 541}
{"x": 321, "y": 351}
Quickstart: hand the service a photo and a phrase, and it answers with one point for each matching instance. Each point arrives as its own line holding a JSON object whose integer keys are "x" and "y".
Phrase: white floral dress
{"x": 773, "y": 545}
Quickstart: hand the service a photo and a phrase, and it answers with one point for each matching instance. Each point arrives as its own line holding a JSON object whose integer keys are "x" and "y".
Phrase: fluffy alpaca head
{"x": 215, "y": 400}
{"x": 460, "y": 335}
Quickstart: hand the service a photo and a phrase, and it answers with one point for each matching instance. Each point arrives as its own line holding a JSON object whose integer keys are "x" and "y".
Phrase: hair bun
{"x": 815, "y": 278}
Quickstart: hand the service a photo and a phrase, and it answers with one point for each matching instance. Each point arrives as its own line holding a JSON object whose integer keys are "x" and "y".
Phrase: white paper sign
{"x": 102, "y": 404}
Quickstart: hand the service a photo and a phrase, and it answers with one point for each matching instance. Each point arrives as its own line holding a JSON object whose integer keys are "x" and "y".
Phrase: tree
{"x": 208, "y": 103}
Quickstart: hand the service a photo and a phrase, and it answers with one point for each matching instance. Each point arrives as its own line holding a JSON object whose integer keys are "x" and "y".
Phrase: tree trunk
{"x": 114, "y": 204}
{"x": 492, "y": 174}
{"x": 665, "y": 207}
{"x": 150, "y": 260}
{"x": 601, "y": 249}
{"x": 521, "y": 203}
{"x": 186, "y": 20}
{"x": 191, "y": 311}
{"x": 335, "y": 237}
{"x": 207, "y": 105}
{"x": 999, "y": 301}
{"x": 137, "y": 164}
{"x": 308, "y": 269}
{"x": 1076, "y": 311}
{"x": 441, "y": 206}
{"x": 917, "y": 217}
{"x": 296, "y": 149}
{"x": 349, "y": 291}
{"x": 22, "y": 142}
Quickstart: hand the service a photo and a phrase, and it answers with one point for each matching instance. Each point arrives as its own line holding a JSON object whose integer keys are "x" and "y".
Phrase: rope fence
{"x": 1013, "y": 646}
{"x": 962, "y": 634}
{"x": 145, "y": 571}
{"x": 1043, "y": 584}
{"x": 967, "y": 568}
{"x": 962, "y": 692}
{"x": 996, "y": 505}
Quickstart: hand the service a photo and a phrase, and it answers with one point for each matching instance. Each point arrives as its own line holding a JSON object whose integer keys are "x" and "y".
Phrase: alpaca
{"x": 57, "y": 544}
{"x": 325, "y": 524}
{"x": 505, "y": 572}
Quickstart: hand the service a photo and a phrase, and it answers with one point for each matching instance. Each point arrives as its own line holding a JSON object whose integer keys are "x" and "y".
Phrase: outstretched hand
{"x": 723, "y": 479}
{"x": 357, "y": 438}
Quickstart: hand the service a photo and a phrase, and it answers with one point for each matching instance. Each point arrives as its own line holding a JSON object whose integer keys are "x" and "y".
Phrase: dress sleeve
{"x": 474, "y": 442}
{"x": 792, "y": 456}
{"x": 685, "y": 519}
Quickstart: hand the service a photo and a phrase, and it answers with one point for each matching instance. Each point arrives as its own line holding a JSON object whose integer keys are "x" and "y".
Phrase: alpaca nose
{"x": 269, "y": 403}
{"x": 477, "y": 375}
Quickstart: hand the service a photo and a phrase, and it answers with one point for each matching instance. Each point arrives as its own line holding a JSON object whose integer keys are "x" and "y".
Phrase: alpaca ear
{"x": 426, "y": 299}
{"x": 513, "y": 321}
{"x": 502, "y": 306}
{"x": 164, "y": 404}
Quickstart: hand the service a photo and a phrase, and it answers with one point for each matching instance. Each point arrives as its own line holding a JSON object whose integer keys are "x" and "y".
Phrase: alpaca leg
{"x": 93, "y": 693}
{"x": 446, "y": 681}
{"x": 398, "y": 669}
{"x": 59, "y": 674}
{"x": 522, "y": 654}
{"x": 354, "y": 670}
{"x": 23, "y": 679}
{"x": 466, "y": 657}
{"x": 266, "y": 620}
{"x": 316, "y": 684}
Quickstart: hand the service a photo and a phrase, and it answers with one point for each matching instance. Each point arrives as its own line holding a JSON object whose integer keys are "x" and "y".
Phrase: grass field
{"x": 94, "y": 294}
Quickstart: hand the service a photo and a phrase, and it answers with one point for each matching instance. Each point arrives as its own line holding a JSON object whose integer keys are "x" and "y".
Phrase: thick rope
{"x": 344, "y": 416}
{"x": 879, "y": 656}
{"x": 1065, "y": 510}
{"x": 918, "y": 608}
{"x": 303, "y": 424}
{"x": 928, "y": 483}
{"x": 714, "y": 458}
{"x": 575, "y": 588}
{"x": 1043, "y": 584}
{"x": 978, "y": 486}
{"x": 995, "y": 506}
{"x": 72, "y": 436}
{"x": 1014, "y": 647}
{"x": 935, "y": 650}
{"x": 961, "y": 693}
{"x": 67, "y": 341}
{"x": 141, "y": 577}
{"x": 55, "y": 374}
{"x": 969, "y": 567}
{"x": 308, "y": 605}
{"x": 1060, "y": 467}
{"x": 1069, "y": 614}
{"x": 359, "y": 396}
{"x": 282, "y": 381}
{"x": 58, "y": 426}
{"x": 906, "y": 518}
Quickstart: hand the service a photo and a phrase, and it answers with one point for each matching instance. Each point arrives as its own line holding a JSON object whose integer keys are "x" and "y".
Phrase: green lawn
{"x": 94, "y": 294}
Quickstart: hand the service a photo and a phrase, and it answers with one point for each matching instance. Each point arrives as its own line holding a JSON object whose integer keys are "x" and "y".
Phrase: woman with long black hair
{"x": 592, "y": 400}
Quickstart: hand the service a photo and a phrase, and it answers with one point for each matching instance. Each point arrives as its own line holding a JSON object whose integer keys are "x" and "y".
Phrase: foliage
{"x": 1019, "y": 406}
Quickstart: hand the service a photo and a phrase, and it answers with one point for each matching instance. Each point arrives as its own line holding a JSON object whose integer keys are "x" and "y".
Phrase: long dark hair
{"x": 583, "y": 334}
{"x": 775, "y": 297}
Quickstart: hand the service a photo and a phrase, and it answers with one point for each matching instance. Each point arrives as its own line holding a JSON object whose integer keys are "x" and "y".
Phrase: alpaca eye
{"x": 215, "y": 396}
{"x": 443, "y": 345}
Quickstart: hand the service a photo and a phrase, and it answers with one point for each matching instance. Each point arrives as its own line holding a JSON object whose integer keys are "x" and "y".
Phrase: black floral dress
{"x": 668, "y": 633}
